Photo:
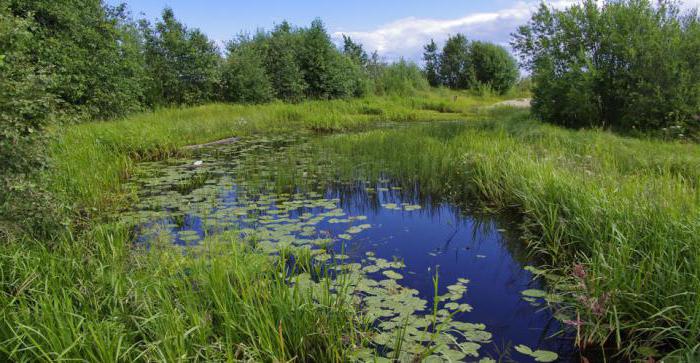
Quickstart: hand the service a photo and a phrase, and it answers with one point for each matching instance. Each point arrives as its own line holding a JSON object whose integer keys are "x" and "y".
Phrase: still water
{"x": 401, "y": 242}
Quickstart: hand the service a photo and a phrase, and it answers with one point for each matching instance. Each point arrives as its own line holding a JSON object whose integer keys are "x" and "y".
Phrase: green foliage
{"x": 354, "y": 51}
{"x": 455, "y": 64}
{"x": 401, "y": 78}
{"x": 480, "y": 66}
{"x": 493, "y": 66}
{"x": 182, "y": 63}
{"x": 432, "y": 63}
{"x": 91, "y": 52}
{"x": 629, "y": 65}
{"x": 244, "y": 78}
{"x": 26, "y": 110}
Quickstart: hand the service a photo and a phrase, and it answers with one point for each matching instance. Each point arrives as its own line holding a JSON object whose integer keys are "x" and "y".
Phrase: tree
{"x": 455, "y": 67}
{"x": 282, "y": 65}
{"x": 626, "y": 64}
{"x": 91, "y": 51}
{"x": 316, "y": 60}
{"x": 26, "y": 110}
{"x": 354, "y": 51}
{"x": 431, "y": 57}
{"x": 244, "y": 78}
{"x": 493, "y": 66}
{"x": 183, "y": 64}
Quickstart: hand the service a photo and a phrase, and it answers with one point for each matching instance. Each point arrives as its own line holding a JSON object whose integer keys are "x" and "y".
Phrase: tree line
{"x": 465, "y": 64}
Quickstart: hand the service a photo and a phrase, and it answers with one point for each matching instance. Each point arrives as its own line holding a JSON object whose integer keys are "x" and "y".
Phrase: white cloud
{"x": 406, "y": 37}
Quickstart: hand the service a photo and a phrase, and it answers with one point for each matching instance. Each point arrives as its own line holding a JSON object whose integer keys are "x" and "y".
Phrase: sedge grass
{"x": 627, "y": 210}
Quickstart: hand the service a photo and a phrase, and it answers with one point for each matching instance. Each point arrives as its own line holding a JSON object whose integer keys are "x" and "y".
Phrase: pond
{"x": 397, "y": 242}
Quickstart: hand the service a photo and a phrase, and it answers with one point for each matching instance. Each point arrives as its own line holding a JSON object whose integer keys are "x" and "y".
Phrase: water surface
{"x": 278, "y": 196}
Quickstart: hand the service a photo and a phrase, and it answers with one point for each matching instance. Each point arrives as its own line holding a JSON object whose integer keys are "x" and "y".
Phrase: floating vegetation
{"x": 272, "y": 195}
{"x": 539, "y": 355}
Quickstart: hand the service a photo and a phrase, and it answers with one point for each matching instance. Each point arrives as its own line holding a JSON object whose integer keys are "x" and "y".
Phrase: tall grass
{"x": 627, "y": 211}
{"x": 91, "y": 161}
{"x": 98, "y": 302}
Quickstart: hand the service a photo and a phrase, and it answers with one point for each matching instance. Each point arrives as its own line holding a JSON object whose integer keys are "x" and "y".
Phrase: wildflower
{"x": 579, "y": 271}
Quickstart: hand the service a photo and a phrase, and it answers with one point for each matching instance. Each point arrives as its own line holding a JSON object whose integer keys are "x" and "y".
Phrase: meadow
{"x": 614, "y": 218}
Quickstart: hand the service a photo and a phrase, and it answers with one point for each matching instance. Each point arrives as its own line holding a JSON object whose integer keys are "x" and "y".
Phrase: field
{"x": 615, "y": 219}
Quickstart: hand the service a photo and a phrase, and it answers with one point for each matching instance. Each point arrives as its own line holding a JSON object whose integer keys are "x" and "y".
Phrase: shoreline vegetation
{"x": 591, "y": 200}
{"x": 604, "y": 171}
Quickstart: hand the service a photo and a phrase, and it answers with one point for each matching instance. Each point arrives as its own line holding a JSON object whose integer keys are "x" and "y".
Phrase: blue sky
{"x": 392, "y": 27}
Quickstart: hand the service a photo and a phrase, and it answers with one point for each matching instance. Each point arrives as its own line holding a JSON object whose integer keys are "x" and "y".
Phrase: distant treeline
{"x": 103, "y": 64}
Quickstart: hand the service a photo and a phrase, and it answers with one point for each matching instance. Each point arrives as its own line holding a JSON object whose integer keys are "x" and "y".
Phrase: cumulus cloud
{"x": 406, "y": 37}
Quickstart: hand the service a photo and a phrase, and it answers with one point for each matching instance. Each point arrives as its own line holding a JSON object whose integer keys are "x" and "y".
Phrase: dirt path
{"x": 520, "y": 102}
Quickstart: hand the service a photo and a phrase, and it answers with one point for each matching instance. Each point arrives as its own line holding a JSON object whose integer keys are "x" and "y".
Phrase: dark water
{"x": 436, "y": 238}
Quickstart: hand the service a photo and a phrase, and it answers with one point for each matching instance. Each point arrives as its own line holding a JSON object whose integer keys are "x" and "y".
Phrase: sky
{"x": 394, "y": 28}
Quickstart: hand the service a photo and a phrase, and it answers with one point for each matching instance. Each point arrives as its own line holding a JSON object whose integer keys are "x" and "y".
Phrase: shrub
{"x": 182, "y": 63}
{"x": 25, "y": 112}
{"x": 629, "y": 65}
{"x": 243, "y": 76}
{"x": 493, "y": 65}
{"x": 401, "y": 78}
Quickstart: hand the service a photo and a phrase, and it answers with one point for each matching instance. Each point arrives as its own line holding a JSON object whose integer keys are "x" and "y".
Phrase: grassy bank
{"x": 92, "y": 160}
{"x": 619, "y": 216}
{"x": 89, "y": 296}
{"x": 625, "y": 210}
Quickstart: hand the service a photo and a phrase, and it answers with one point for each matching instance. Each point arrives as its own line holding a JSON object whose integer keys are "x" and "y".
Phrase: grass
{"x": 624, "y": 211}
{"x": 618, "y": 216}
{"x": 89, "y": 295}
{"x": 92, "y": 160}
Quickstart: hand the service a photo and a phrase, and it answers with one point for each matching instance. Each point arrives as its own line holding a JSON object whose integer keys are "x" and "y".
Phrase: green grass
{"x": 99, "y": 302}
{"x": 91, "y": 161}
{"x": 627, "y": 209}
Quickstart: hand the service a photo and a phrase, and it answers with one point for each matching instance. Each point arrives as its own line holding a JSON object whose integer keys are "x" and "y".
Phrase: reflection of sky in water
{"x": 435, "y": 237}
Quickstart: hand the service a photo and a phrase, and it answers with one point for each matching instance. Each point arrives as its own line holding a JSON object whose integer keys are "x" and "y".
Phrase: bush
{"x": 243, "y": 76}
{"x": 470, "y": 65}
{"x": 400, "y": 78}
{"x": 182, "y": 63}
{"x": 25, "y": 112}
{"x": 92, "y": 52}
{"x": 493, "y": 66}
{"x": 629, "y": 65}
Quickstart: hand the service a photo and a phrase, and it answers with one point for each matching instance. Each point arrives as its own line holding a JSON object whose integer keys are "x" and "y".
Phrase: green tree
{"x": 317, "y": 63}
{"x": 244, "y": 78}
{"x": 493, "y": 65}
{"x": 626, "y": 64}
{"x": 26, "y": 110}
{"x": 354, "y": 51}
{"x": 456, "y": 70}
{"x": 91, "y": 51}
{"x": 281, "y": 63}
{"x": 431, "y": 57}
{"x": 183, "y": 64}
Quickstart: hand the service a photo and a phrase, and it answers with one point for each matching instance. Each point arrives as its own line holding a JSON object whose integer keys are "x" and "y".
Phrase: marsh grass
{"x": 98, "y": 302}
{"x": 91, "y": 161}
{"x": 626, "y": 211}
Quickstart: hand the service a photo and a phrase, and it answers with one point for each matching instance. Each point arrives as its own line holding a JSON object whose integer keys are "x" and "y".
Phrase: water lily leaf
{"x": 392, "y": 274}
{"x": 539, "y": 355}
{"x": 534, "y": 293}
